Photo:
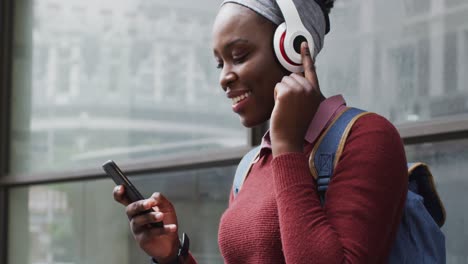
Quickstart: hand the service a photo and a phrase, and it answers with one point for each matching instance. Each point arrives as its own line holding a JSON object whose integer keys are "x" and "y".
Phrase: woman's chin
{"x": 250, "y": 122}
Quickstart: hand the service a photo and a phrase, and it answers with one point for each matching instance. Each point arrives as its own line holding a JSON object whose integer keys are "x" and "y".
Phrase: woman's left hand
{"x": 297, "y": 98}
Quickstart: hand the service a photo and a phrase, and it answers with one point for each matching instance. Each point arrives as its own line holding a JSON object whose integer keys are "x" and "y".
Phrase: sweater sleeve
{"x": 363, "y": 203}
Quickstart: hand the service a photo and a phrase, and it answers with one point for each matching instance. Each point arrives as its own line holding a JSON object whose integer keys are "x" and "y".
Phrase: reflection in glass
{"x": 121, "y": 79}
{"x": 403, "y": 59}
{"x": 79, "y": 223}
{"x": 447, "y": 161}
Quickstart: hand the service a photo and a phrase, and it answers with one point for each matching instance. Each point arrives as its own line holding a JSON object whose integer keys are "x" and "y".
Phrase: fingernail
{"x": 158, "y": 215}
{"x": 172, "y": 227}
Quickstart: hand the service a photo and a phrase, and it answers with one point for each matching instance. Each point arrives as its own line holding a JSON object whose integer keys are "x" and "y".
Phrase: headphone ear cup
{"x": 280, "y": 52}
{"x": 280, "y": 30}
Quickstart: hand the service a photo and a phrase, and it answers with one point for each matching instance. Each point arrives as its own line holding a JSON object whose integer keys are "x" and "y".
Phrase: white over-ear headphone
{"x": 289, "y": 36}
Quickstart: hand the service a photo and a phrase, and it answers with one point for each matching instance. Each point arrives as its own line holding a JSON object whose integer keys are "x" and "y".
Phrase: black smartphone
{"x": 131, "y": 191}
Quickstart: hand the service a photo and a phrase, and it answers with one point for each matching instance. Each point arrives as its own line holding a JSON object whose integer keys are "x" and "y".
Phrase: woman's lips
{"x": 239, "y": 102}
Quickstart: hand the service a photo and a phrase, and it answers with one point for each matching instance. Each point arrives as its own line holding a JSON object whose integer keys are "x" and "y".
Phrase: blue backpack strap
{"x": 329, "y": 146}
{"x": 243, "y": 169}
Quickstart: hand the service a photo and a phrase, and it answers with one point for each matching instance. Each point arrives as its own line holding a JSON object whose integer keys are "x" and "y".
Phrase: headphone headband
{"x": 290, "y": 14}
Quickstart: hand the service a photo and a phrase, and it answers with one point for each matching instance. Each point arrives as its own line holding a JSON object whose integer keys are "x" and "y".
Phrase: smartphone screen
{"x": 131, "y": 191}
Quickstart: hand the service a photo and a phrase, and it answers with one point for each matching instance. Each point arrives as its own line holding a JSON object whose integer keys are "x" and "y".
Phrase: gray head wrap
{"x": 309, "y": 11}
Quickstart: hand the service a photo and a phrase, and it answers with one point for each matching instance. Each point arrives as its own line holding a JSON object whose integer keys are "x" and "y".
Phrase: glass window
{"x": 414, "y": 7}
{"x": 447, "y": 161}
{"x": 463, "y": 66}
{"x": 81, "y": 223}
{"x": 120, "y": 79}
{"x": 403, "y": 59}
{"x": 454, "y": 3}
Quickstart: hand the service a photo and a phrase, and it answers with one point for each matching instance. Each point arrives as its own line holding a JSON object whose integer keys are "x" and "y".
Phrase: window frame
{"x": 6, "y": 59}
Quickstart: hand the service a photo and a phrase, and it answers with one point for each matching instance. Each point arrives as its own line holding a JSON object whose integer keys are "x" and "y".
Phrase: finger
{"x": 171, "y": 228}
{"x": 291, "y": 82}
{"x": 161, "y": 201}
{"x": 301, "y": 80}
{"x": 146, "y": 219}
{"x": 150, "y": 232}
{"x": 139, "y": 207}
{"x": 280, "y": 89}
{"x": 119, "y": 195}
{"x": 309, "y": 65}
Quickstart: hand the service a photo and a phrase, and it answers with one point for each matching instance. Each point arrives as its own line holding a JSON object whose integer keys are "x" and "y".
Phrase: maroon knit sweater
{"x": 277, "y": 216}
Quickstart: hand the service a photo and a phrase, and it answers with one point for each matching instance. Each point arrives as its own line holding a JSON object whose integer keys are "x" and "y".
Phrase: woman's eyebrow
{"x": 235, "y": 41}
{"x": 230, "y": 44}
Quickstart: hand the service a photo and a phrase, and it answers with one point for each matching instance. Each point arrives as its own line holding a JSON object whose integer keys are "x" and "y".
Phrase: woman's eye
{"x": 239, "y": 59}
{"x": 236, "y": 59}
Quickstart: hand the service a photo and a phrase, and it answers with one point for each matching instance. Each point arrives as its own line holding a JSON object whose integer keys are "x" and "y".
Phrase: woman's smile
{"x": 239, "y": 102}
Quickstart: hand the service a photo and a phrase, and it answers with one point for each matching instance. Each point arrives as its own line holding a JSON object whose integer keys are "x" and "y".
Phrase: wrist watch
{"x": 182, "y": 253}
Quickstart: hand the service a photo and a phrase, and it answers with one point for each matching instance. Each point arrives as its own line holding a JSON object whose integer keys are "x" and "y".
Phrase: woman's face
{"x": 243, "y": 48}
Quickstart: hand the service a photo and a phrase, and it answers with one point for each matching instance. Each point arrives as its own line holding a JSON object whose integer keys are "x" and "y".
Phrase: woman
{"x": 278, "y": 217}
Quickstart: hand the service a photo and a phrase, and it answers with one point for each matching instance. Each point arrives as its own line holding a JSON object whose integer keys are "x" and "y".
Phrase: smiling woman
{"x": 278, "y": 217}
{"x": 246, "y": 61}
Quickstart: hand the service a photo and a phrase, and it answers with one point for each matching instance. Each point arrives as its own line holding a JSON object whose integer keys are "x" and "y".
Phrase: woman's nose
{"x": 226, "y": 79}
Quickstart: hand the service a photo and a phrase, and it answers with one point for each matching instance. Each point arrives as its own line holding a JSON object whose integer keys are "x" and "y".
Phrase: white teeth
{"x": 237, "y": 99}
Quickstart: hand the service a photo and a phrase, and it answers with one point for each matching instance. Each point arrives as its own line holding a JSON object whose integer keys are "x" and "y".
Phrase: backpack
{"x": 419, "y": 238}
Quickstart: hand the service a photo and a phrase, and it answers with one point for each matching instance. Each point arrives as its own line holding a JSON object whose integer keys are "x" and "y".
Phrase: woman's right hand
{"x": 160, "y": 243}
